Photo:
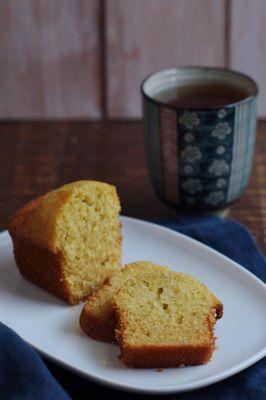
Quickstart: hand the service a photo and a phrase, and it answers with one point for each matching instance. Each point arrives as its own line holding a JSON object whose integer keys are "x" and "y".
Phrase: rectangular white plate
{"x": 52, "y": 327}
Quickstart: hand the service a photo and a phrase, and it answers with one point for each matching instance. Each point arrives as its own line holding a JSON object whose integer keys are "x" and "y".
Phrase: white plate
{"x": 52, "y": 327}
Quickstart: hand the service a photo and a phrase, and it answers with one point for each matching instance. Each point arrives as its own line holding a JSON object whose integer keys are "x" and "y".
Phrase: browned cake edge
{"x": 96, "y": 328}
{"x": 36, "y": 264}
{"x": 165, "y": 356}
{"x": 41, "y": 267}
{"x": 93, "y": 326}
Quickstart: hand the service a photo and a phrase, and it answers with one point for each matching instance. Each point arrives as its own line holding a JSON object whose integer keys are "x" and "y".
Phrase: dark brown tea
{"x": 202, "y": 95}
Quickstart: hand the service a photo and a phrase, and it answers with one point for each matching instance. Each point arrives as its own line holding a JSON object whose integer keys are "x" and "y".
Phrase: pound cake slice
{"x": 97, "y": 318}
{"x": 69, "y": 240}
{"x": 165, "y": 319}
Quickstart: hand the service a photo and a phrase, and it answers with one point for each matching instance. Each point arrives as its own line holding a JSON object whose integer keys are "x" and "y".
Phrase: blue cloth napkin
{"x": 226, "y": 236}
{"x": 23, "y": 375}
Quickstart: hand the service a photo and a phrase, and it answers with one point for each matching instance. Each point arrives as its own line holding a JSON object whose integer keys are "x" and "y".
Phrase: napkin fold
{"x": 24, "y": 376}
{"x": 226, "y": 236}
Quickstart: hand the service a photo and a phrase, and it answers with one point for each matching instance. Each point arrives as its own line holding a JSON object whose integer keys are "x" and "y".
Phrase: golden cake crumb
{"x": 97, "y": 317}
{"x": 151, "y": 335}
{"x": 69, "y": 240}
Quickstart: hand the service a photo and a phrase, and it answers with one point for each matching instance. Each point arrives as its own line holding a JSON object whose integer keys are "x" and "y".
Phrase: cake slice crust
{"x": 165, "y": 319}
{"x": 97, "y": 318}
{"x": 69, "y": 240}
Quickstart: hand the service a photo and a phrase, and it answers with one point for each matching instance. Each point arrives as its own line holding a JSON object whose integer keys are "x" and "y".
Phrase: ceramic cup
{"x": 199, "y": 158}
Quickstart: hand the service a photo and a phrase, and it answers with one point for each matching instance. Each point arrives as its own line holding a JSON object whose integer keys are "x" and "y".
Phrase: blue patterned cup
{"x": 199, "y": 158}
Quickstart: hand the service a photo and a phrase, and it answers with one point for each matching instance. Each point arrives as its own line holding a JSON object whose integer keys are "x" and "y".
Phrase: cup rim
{"x": 195, "y": 67}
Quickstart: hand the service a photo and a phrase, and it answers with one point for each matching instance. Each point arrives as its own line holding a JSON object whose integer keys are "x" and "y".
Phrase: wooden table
{"x": 38, "y": 156}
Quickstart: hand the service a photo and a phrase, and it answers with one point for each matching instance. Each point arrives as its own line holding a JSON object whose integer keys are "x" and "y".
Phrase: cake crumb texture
{"x": 165, "y": 319}
{"x": 69, "y": 240}
{"x": 97, "y": 318}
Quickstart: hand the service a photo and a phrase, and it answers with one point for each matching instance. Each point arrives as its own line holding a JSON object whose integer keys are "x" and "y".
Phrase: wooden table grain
{"x": 38, "y": 156}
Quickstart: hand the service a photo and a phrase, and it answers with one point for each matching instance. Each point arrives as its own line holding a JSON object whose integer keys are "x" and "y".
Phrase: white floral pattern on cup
{"x": 192, "y": 185}
{"x": 191, "y": 154}
{"x": 220, "y": 183}
{"x": 219, "y": 167}
{"x": 189, "y": 119}
{"x": 188, "y": 169}
{"x": 205, "y": 158}
{"x": 221, "y": 130}
{"x": 214, "y": 198}
{"x": 189, "y": 137}
{"x": 220, "y": 150}
{"x": 222, "y": 113}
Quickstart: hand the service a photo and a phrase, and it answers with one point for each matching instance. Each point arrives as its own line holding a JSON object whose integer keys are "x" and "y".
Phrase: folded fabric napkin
{"x": 226, "y": 236}
{"x": 24, "y": 376}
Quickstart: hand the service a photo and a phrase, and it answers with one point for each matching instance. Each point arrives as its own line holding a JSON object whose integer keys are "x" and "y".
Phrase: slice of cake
{"x": 69, "y": 240}
{"x": 165, "y": 319}
{"x": 97, "y": 317}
